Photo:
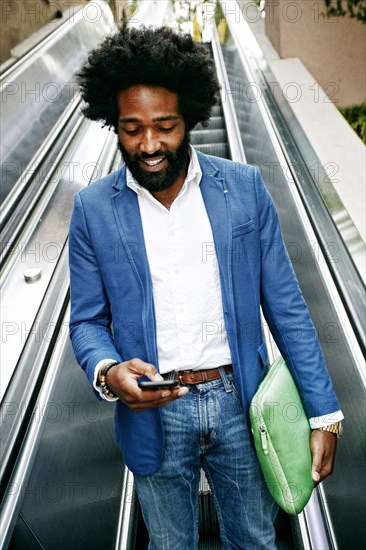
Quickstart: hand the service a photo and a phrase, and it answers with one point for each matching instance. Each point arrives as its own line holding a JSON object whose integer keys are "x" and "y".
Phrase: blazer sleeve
{"x": 287, "y": 315}
{"x": 90, "y": 319}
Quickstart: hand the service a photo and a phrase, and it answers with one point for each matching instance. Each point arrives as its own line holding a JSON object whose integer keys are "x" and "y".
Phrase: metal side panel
{"x": 42, "y": 87}
{"x": 344, "y": 490}
{"x": 73, "y": 495}
{"x": 42, "y": 240}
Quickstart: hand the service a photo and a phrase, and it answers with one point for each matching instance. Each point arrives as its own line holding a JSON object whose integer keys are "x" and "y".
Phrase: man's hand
{"x": 323, "y": 447}
{"x": 122, "y": 380}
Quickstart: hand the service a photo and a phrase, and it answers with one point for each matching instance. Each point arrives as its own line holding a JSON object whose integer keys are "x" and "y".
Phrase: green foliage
{"x": 188, "y": 10}
{"x": 354, "y": 8}
{"x": 340, "y": 8}
{"x": 127, "y": 12}
{"x": 221, "y": 24}
{"x": 356, "y": 117}
{"x": 219, "y": 14}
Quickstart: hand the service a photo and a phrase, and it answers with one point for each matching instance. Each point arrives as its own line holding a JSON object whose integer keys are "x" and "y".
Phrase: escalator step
{"x": 213, "y": 123}
{"x": 216, "y": 110}
{"x": 208, "y": 136}
{"x": 217, "y": 149}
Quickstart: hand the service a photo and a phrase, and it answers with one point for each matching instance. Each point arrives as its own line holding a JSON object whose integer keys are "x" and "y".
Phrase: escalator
{"x": 78, "y": 471}
{"x": 64, "y": 483}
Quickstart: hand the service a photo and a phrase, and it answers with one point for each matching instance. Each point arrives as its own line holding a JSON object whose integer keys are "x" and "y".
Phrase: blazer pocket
{"x": 239, "y": 230}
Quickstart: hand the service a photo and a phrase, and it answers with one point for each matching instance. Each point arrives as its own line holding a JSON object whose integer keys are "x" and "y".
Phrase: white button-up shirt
{"x": 185, "y": 276}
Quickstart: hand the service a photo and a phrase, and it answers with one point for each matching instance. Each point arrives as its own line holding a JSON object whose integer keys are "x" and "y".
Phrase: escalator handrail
{"x": 232, "y": 127}
{"x": 33, "y": 43}
{"x": 233, "y": 135}
{"x": 27, "y": 175}
{"x": 344, "y": 283}
{"x": 20, "y": 391}
{"x": 19, "y": 477}
{"x": 315, "y": 523}
{"x": 71, "y": 17}
{"x": 47, "y": 187}
{"x": 348, "y": 283}
{"x": 16, "y": 456}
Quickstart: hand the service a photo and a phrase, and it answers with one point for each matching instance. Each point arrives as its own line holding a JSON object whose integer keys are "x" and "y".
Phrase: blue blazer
{"x": 112, "y": 306}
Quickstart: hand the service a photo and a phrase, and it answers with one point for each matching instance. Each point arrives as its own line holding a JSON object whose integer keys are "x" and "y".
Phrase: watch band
{"x": 102, "y": 380}
{"x": 335, "y": 428}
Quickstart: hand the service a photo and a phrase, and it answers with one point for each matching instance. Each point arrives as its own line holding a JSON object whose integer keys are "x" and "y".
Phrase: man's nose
{"x": 150, "y": 143}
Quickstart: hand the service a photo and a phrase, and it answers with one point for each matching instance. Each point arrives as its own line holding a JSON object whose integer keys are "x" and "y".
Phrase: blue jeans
{"x": 207, "y": 428}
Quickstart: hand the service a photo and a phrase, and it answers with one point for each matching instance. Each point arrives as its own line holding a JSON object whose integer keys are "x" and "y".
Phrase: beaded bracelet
{"x": 102, "y": 379}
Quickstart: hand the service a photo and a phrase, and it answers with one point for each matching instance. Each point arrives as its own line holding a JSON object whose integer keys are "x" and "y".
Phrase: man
{"x": 174, "y": 243}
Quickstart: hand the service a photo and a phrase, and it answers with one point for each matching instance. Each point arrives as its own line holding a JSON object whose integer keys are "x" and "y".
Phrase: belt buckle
{"x": 181, "y": 374}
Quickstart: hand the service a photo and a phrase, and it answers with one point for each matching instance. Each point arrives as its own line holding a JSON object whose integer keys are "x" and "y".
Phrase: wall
{"x": 21, "y": 18}
{"x": 333, "y": 50}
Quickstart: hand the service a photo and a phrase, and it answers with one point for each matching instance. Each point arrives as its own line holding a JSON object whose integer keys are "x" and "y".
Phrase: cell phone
{"x": 163, "y": 385}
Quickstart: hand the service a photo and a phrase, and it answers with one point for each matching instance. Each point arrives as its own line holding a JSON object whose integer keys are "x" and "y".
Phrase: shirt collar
{"x": 194, "y": 174}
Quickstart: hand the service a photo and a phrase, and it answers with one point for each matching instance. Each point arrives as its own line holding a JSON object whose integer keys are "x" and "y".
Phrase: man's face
{"x": 152, "y": 136}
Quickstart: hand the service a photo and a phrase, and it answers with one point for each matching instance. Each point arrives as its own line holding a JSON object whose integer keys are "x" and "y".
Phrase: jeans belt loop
{"x": 227, "y": 384}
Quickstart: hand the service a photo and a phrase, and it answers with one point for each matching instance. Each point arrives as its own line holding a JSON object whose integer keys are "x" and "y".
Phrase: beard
{"x": 158, "y": 181}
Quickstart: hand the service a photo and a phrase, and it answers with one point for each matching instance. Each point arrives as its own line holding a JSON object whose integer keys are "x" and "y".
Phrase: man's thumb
{"x": 316, "y": 467}
{"x": 315, "y": 475}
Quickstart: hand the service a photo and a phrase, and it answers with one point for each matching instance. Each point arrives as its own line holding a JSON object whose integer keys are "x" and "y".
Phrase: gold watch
{"x": 335, "y": 428}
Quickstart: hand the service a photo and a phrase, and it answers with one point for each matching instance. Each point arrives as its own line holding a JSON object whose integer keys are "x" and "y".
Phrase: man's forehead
{"x": 154, "y": 98}
{"x": 162, "y": 118}
{"x": 160, "y": 103}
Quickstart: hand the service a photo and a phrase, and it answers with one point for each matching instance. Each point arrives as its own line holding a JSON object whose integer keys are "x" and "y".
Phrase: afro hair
{"x": 151, "y": 57}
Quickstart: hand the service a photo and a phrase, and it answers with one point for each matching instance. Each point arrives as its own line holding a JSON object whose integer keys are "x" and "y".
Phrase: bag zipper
{"x": 264, "y": 438}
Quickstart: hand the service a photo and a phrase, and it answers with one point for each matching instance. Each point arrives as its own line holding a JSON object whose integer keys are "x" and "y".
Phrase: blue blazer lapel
{"x": 216, "y": 199}
{"x": 215, "y": 196}
{"x": 128, "y": 219}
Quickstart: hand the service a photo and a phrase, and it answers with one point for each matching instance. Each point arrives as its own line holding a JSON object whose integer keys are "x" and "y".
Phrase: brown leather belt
{"x": 199, "y": 376}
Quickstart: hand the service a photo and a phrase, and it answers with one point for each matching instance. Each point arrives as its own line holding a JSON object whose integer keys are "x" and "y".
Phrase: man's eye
{"x": 131, "y": 132}
{"x": 167, "y": 130}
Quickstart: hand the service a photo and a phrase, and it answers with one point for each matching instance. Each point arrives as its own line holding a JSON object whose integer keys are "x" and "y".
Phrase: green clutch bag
{"x": 281, "y": 433}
